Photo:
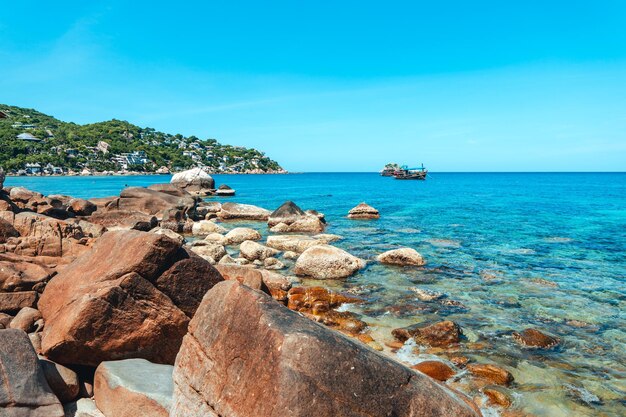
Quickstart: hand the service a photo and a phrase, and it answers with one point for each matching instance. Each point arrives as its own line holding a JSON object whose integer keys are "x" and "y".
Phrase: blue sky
{"x": 338, "y": 85}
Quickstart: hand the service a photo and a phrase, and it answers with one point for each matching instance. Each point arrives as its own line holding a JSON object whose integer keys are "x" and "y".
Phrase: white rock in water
{"x": 402, "y": 256}
{"x": 327, "y": 262}
{"x": 195, "y": 179}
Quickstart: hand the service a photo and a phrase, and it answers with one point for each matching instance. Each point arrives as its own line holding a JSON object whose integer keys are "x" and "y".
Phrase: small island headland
{"x": 36, "y": 144}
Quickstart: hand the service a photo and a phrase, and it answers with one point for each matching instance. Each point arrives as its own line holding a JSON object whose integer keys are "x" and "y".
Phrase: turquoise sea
{"x": 516, "y": 250}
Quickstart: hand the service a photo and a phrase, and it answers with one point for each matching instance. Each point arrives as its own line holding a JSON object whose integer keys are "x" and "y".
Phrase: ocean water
{"x": 510, "y": 250}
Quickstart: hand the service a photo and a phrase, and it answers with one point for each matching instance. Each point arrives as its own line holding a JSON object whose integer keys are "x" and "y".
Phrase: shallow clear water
{"x": 517, "y": 250}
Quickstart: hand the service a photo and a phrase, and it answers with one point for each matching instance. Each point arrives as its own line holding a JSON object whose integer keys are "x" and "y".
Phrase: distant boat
{"x": 406, "y": 173}
{"x": 389, "y": 170}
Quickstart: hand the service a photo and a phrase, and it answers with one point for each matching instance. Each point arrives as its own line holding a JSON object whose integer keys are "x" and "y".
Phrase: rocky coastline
{"x": 157, "y": 302}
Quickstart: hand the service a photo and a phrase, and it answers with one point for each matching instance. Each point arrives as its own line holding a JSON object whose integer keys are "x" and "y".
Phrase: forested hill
{"x": 29, "y": 137}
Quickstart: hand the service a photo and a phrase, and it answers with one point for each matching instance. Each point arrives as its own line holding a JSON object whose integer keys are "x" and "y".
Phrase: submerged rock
{"x": 427, "y": 295}
{"x": 440, "y": 334}
{"x": 327, "y": 262}
{"x": 402, "y": 257}
{"x": 435, "y": 369}
{"x": 533, "y": 338}
{"x": 363, "y": 211}
{"x": 497, "y": 396}
{"x": 307, "y": 370}
{"x": 491, "y": 373}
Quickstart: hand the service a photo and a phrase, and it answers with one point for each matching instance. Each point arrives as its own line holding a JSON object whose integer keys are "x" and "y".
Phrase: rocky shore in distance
{"x": 151, "y": 304}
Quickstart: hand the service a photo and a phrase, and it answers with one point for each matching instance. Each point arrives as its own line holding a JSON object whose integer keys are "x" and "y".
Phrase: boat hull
{"x": 411, "y": 176}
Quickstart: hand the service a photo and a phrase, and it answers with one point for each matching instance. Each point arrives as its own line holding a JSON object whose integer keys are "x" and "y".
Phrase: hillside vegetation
{"x": 103, "y": 146}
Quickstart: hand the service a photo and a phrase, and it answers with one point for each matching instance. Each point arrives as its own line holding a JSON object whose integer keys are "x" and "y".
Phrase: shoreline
{"x": 99, "y": 174}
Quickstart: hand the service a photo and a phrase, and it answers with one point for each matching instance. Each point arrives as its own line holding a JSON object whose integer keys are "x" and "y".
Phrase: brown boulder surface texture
{"x": 104, "y": 305}
{"x": 151, "y": 202}
{"x": 533, "y": 338}
{"x": 440, "y": 334}
{"x": 284, "y": 364}
{"x": 187, "y": 280}
{"x": 24, "y": 391}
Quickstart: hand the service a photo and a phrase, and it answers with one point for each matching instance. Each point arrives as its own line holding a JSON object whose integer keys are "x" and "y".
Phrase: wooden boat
{"x": 406, "y": 173}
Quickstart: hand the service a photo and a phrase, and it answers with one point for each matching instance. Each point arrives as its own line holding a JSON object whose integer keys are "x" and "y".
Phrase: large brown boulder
{"x": 306, "y": 370}
{"x": 327, "y": 262}
{"x": 169, "y": 189}
{"x": 7, "y": 231}
{"x": 24, "y": 390}
{"x": 104, "y": 306}
{"x": 187, "y": 280}
{"x": 81, "y": 207}
{"x": 12, "y": 302}
{"x": 101, "y": 202}
{"x": 124, "y": 220}
{"x": 46, "y": 236}
{"x": 63, "y": 381}
{"x": 18, "y": 273}
{"x": 152, "y": 202}
{"x": 245, "y": 275}
{"x": 115, "y": 319}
